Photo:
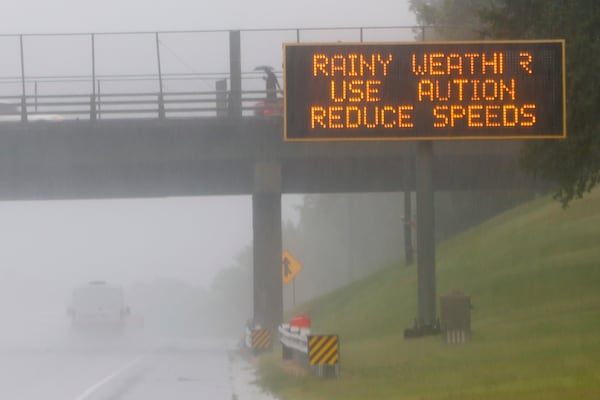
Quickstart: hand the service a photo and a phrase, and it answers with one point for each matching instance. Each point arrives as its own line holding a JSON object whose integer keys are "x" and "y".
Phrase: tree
{"x": 574, "y": 164}
{"x": 449, "y": 19}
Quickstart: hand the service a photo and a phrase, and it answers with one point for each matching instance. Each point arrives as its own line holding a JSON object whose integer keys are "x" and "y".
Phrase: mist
{"x": 184, "y": 264}
{"x": 136, "y": 15}
{"x": 165, "y": 253}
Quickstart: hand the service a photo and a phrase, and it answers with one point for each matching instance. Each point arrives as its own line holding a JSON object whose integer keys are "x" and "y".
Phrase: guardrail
{"x": 317, "y": 353}
{"x": 294, "y": 338}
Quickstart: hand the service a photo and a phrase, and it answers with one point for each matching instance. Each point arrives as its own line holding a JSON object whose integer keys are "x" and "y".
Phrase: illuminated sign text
{"x": 483, "y": 90}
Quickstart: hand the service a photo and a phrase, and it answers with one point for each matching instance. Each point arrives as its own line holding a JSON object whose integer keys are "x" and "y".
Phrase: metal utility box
{"x": 455, "y": 308}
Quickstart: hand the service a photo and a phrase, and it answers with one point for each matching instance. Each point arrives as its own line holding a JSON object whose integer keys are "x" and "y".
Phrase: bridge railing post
{"x": 93, "y": 108}
{"x": 23, "y": 108}
{"x": 99, "y": 101}
{"x": 161, "y": 101}
{"x": 221, "y": 97}
{"x": 235, "y": 75}
{"x": 35, "y": 95}
{"x": 161, "y": 106}
{"x": 93, "y": 114}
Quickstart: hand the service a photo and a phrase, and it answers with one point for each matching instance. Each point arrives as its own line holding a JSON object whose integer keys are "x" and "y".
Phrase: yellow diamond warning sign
{"x": 289, "y": 267}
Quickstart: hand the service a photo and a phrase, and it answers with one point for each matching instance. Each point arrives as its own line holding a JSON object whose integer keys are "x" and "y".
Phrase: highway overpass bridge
{"x": 214, "y": 156}
{"x": 228, "y": 150}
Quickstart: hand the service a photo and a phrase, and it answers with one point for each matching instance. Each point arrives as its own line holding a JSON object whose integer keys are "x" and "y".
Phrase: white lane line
{"x": 92, "y": 389}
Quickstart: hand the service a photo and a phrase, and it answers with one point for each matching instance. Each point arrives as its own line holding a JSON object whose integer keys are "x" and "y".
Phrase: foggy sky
{"x": 63, "y": 243}
{"x": 131, "y": 239}
{"x": 42, "y": 16}
{"x": 126, "y": 241}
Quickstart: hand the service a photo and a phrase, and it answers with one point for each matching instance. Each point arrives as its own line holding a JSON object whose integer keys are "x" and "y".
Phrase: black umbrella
{"x": 265, "y": 68}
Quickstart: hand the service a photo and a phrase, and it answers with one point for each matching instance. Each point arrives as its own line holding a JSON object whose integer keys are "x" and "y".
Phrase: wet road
{"x": 208, "y": 371}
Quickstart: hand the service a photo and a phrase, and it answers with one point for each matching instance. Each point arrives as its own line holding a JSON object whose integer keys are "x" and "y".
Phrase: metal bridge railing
{"x": 166, "y": 74}
{"x": 120, "y": 103}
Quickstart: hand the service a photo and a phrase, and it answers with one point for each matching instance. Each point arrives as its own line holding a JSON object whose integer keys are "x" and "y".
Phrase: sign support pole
{"x": 426, "y": 286}
{"x": 408, "y": 240}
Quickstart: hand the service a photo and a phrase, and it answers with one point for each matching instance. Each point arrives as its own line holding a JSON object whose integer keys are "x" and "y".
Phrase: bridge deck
{"x": 215, "y": 156}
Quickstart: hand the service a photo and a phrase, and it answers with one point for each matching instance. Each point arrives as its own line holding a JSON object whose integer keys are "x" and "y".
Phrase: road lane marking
{"x": 92, "y": 389}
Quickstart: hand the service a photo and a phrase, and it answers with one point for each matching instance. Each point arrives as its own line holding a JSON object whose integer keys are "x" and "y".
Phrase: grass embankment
{"x": 533, "y": 275}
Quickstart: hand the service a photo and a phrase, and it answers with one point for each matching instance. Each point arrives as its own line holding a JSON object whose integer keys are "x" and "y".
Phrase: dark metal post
{"x": 93, "y": 65}
{"x": 408, "y": 246}
{"x": 297, "y": 35}
{"x": 425, "y": 239}
{"x": 99, "y": 104}
{"x": 361, "y": 34}
{"x": 23, "y": 94}
{"x": 221, "y": 97}
{"x": 294, "y": 293}
{"x": 235, "y": 75}
{"x": 161, "y": 103}
{"x": 426, "y": 321}
{"x": 408, "y": 176}
{"x": 93, "y": 97}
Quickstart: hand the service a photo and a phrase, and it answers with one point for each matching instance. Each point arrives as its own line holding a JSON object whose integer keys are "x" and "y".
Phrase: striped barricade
{"x": 320, "y": 353}
{"x": 260, "y": 339}
{"x": 324, "y": 353}
{"x": 456, "y": 336}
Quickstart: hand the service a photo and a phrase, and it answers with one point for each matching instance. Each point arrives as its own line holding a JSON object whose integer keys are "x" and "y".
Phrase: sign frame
{"x": 424, "y": 132}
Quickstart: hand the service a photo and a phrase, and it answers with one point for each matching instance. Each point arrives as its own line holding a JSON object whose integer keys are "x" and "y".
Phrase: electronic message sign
{"x": 425, "y": 91}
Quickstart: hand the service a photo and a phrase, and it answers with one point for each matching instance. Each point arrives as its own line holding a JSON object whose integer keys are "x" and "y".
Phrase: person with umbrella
{"x": 271, "y": 83}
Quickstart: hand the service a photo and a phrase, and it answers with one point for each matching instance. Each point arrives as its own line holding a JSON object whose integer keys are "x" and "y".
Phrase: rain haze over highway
{"x": 164, "y": 252}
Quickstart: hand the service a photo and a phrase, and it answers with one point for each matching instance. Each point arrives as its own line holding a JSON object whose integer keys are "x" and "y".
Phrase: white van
{"x": 98, "y": 306}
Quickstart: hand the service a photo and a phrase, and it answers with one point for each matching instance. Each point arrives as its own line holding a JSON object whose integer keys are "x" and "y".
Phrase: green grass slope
{"x": 533, "y": 275}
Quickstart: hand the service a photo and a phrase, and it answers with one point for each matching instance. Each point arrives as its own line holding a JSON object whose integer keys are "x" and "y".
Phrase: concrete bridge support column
{"x": 426, "y": 285}
{"x": 266, "y": 224}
